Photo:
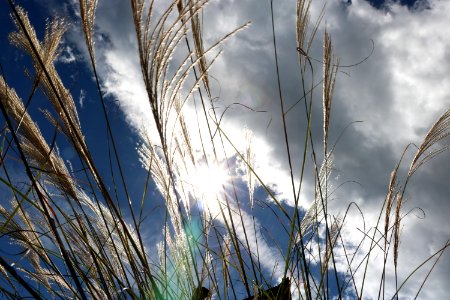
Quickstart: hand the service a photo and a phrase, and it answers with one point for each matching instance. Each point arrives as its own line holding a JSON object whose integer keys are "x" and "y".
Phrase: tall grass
{"x": 78, "y": 240}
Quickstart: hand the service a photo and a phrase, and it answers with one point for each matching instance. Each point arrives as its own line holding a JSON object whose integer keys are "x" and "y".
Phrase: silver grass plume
{"x": 3, "y": 272}
{"x": 390, "y": 197}
{"x": 330, "y": 68}
{"x": 304, "y": 43}
{"x": 249, "y": 163}
{"x": 37, "y": 150}
{"x": 67, "y": 117}
{"x": 315, "y": 211}
{"x": 439, "y": 131}
{"x": 157, "y": 43}
{"x": 193, "y": 7}
{"x": 87, "y": 12}
{"x": 23, "y": 233}
{"x": 397, "y": 228}
{"x": 302, "y": 24}
{"x": 33, "y": 143}
{"x": 153, "y": 162}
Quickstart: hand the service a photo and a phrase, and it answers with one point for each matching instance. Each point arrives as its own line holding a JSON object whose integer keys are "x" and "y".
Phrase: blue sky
{"x": 397, "y": 93}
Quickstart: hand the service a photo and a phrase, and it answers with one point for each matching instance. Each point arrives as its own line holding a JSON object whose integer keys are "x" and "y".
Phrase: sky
{"x": 396, "y": 88}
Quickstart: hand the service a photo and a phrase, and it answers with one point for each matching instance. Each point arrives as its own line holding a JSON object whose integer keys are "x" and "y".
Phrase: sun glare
{"x": 209, "y": 181}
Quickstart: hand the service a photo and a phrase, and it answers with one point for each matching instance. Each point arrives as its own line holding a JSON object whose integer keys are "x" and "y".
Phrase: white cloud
{"x": 82, "y": 97}
{"x": 66, "y": 56}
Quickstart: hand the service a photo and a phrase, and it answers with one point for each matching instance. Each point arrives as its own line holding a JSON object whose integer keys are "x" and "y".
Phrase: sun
{"x": 209, "y": 181}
